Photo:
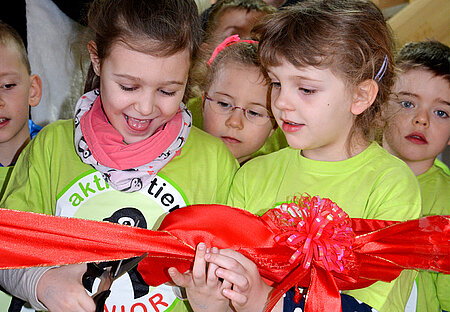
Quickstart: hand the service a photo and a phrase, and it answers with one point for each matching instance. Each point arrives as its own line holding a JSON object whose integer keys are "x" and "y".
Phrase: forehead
{"x": 238, "y": 18}
{"x": 10, "y": 60}
{"x": 423, "y": 83}
{"x": 124, "y": 60}
{"x": 237, "y": 75}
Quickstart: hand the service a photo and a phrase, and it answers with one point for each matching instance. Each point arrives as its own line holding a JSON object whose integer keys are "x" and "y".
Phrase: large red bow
{"x": 275, "y": 242}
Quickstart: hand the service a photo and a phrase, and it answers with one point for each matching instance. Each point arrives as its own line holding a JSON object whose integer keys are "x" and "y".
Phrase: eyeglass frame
{"x": 234, "y": 107}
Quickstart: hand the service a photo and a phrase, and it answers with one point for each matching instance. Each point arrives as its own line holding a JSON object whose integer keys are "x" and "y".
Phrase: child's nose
{"x": 421, "y": 119}
{"x": 144, "y": 107}
{"x": 235, "y": 120}
{"x": 282, "y": 102}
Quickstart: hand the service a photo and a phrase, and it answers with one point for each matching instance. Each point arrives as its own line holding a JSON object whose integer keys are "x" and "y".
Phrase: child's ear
{"x": 364, "y": 96}
{"x": 35, "y": 93}
{"x": 92, "y": 48}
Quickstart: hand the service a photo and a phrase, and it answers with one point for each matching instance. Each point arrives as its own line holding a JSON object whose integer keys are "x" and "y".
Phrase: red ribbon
{"x": 380, "y": 251}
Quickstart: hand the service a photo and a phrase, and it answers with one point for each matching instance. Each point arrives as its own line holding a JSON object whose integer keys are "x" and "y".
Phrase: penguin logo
{"x": 83, "y": 148}
{"x": 128, "y": 216}
{"x": 132, "y": 217}
{"x": 135, "y": 185}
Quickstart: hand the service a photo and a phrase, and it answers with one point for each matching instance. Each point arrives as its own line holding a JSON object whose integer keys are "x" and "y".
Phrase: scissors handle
{"x": 100, "y": 299}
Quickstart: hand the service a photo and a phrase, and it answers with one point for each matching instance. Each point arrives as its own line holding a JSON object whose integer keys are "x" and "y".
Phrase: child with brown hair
{"x": 418, "y": 131}
{"x": 234, "y": 17}
{"x": 129, "y": 156}
{"x": 234, "y": 104}
{"x": 331, "y": 70}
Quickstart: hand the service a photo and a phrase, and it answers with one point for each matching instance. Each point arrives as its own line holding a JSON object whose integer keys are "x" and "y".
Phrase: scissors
{"x": 108, "y": 272}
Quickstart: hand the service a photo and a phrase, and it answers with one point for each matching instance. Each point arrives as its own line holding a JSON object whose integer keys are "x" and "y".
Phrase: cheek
{"x": 257, "y": 134}
{"x": 212, "y": 121}
{"x": 170, "y": 108}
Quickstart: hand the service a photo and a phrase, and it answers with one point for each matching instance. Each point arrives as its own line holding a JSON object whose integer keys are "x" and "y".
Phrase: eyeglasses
{"x": 256, "y": 114}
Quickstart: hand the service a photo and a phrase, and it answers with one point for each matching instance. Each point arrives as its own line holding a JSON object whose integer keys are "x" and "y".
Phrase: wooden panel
{"x": 421, "y": 20}
{"x": 383, "y": 4}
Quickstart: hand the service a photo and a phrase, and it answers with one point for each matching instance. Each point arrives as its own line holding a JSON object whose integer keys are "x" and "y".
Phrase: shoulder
{"x": 381, "y": 161}
{"x": 203, "y": 146}
{"x": 59, "y": 127}
{"x": 274, "y": 159}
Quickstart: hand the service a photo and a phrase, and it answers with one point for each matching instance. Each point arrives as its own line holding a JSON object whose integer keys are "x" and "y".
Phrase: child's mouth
{"x": 137, "y": 124}
{"x": 417, "y": 138}
{"x": 230, "y": 139}
{"x": 289, "y": 126}
{"x": 3, "y": 121}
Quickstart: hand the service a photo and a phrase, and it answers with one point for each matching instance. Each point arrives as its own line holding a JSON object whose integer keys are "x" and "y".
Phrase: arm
{"x": 22, "y": 283}
{"x": 203, "y": 288}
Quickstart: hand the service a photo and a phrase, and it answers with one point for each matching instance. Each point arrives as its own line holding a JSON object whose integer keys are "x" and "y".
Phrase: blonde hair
{"x": 9, "y": 36}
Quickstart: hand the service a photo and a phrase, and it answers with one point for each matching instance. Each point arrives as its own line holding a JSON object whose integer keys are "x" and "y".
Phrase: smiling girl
{"x": 129, "y": 156}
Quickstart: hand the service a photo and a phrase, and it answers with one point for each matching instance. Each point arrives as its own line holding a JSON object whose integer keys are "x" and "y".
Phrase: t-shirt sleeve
{"x": 395, "y": 196}
{"x": 29, "y": 186}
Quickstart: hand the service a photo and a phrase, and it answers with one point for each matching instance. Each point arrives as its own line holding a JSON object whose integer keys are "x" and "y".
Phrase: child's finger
{"x": 240, "y": 281}
{"x": 236, "y": 256}
{"x": 178, "y": 278}
{"x": 199, "y": 268}
{"x": 234, "y": 296}
{"x": 212, "y": 267}
{"x": 225, "y": 262}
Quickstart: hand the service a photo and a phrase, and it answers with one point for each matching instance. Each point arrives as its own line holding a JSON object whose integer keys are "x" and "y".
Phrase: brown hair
{"x": 159, "y": 28}
{"x": 242, "y": 53}
{"x": 9, "y": 35}
{"x": 221, "y": 6}
{"x": 350, "y": 37}
{"x": 430, "y": 55}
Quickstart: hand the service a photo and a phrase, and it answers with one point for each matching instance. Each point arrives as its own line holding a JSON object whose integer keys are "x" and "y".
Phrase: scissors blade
{"x": 126, "y": 265}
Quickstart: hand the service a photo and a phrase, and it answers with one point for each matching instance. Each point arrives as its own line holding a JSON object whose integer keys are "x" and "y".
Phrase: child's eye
{"x": 406, "y": 104}
{"x": 124, "y": 88}
{"x": 168, "y": 93}
{"x": 275, "y": 85}
{"x": 253, "y": 113}
{"x": 8, "y": 86}
{"x": 307, "y": 91}
{"x": 224, "y": 105}
{"x": 441, "y": 114}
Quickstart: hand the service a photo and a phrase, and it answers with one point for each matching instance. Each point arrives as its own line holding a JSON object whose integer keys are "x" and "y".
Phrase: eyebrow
{"x": 416, "y": 96}
{"x": 136, "y": 79}
{"x": 6, "y": 74}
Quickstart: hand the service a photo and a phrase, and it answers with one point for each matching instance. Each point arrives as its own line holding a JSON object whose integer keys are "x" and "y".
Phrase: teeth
{"x": 3, "y": 119}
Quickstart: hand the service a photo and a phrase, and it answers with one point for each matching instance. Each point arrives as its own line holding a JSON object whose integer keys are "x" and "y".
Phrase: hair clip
{"x": 227, "y": 42}
{"x": 382, "y": 70}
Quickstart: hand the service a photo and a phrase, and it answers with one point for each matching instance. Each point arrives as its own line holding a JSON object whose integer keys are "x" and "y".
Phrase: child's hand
{"x": 203, "y": 288}
{"x": 60, "y": 290}
{"x": 249, "y": 291}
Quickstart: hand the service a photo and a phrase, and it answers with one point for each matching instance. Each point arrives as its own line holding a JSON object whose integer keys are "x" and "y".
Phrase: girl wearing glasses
{"x": 234, "y": 99}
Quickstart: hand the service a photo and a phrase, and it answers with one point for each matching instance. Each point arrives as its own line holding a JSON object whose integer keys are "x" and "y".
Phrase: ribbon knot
{"x": 317, "y": 230}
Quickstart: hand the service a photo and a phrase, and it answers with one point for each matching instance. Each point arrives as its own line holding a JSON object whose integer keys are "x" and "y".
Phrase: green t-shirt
{"x": 371, "y": 185}
{"x": 5, "y": 173}
{"x": 273, "y": 143}
{"x": 433, "y": 289}
{"x": 51, "y": 178}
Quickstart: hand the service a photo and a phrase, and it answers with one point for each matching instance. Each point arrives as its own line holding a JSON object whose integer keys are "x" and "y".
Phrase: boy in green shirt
{"x": 18, "y": 91}
{"x": 417, "y": 132}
